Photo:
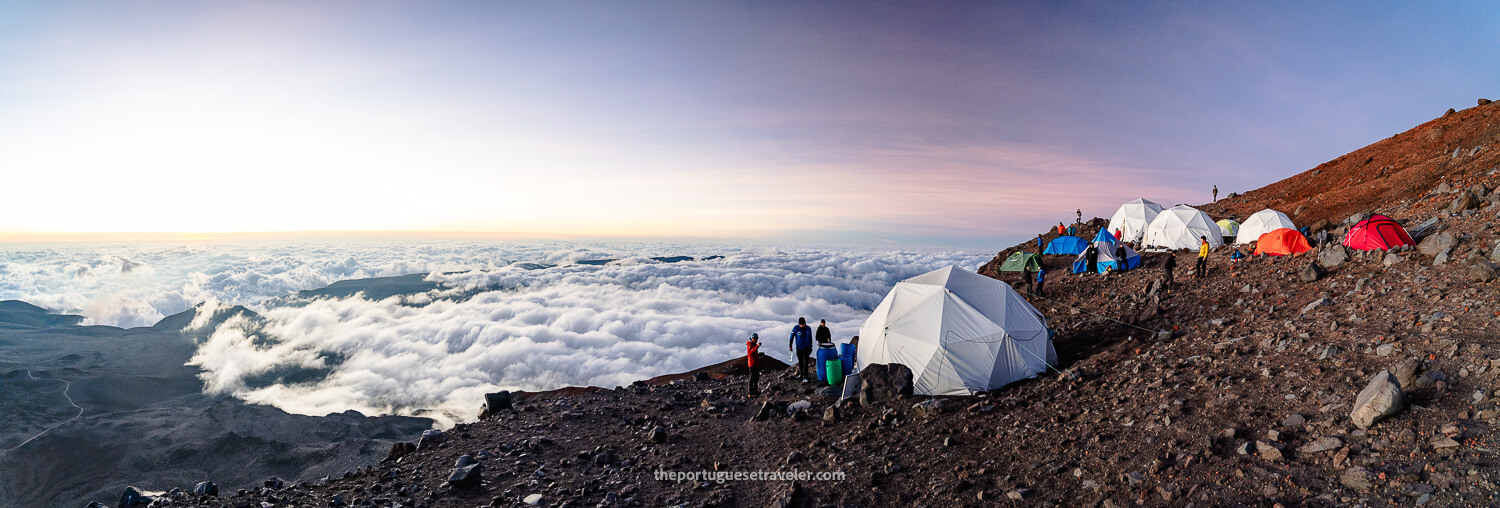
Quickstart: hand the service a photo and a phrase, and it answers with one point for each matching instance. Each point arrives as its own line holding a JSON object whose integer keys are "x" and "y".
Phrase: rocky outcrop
{"x": 883, "y": 382}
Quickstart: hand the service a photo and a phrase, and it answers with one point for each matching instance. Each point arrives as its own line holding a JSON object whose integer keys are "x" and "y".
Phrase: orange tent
{"x": 1282, "y": 242}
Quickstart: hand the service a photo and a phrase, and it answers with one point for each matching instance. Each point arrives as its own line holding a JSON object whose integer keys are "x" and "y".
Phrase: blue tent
{"x": 1066, "y": 245}
{"x": 1105, "y": 243}
{"x": 1105, "y": 236}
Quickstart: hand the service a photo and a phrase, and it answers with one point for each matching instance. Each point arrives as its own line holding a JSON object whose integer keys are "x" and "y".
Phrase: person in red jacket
{"x": 752, "y": 348}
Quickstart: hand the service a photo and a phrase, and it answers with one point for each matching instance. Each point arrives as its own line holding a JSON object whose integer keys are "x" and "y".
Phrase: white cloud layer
{"x": 512, "y": 325}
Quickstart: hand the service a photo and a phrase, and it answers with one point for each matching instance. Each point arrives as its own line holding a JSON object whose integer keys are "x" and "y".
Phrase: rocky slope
{"x": 1235, "y": 389}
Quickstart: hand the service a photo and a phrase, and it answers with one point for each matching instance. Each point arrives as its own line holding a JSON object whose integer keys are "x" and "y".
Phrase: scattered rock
{"x": 533, "y": 500}
{"x": 466, "y": 477}
{"x": 1357, "y": 478}
{"x": 1266, "y": 451}
{"x": 1381, "y": 398}
{"x": 1322, "y": 444}
{"x": 1391, "y": 258}
{"x": 1406, "y": 373}
{"x": 1332, "y": 255}
{"x": 1482, "y": 271}
{"x": 928, "y": 408}
{"x": 831, "y": 414}
{"x": 658, "y": 434}
{"x": 206, "y": 488}
{"x": 1330, "y": 351}
{"x": 1464, "y": 201}
{"x": 1316, "y": 303}
{"x": 133, "y": 497}
{"x": 1312, "y": 272}
{"x": 1437, "y": 244}
{"x": 430, "y": 438}
{"x": 768, "y": 409}
{"x": 399, "y": 449}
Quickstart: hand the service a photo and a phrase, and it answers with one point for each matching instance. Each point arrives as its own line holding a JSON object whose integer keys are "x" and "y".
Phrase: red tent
{"x": 1377, "y": 232}
{"x": 1282, "y": 242}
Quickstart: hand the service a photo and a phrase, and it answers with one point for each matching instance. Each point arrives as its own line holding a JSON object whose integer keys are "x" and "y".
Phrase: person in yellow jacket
{"x": 1202, "y": 267}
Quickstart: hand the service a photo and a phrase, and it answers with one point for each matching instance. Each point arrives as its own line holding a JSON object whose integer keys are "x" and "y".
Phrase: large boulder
{"x": 884, "y": 381}
{"x": 467, "y": 477}
{"x": 1495, "y": 254}
{"x": 1483, "y": 271}
{"x": 1438, "y": 244}
{"x": 494, "y": 402}
{"x": 1312, "y": 272}
{"x": 1422, "y": 230}
{"x": 206, "y": 488}
{"x": 1380, "y": 399}
{"x": 1332, "y": 255}
{"x": 430, "y": 438}
{"x": 398, "y": 449}
{"x": 133, "y": 497}
{"x": 1464, "y": 201}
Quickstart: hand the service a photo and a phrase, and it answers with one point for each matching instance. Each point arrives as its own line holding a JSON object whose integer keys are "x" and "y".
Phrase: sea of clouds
{"x": 519, "y": 315}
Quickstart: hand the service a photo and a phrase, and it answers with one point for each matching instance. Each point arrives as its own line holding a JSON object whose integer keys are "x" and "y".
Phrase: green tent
{"x": 1017, "y": 262}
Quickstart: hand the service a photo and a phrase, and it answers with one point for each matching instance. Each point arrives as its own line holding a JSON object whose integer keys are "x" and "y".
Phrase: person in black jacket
{"x": 1167, "y": 268}
{"x": 1092, "y": 256}
{"x": 823, "y": 335}
{"x": 1121, "y": 264}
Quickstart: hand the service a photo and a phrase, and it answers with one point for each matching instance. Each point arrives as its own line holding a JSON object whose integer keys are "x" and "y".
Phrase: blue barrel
{"x": 846, "y": 355}
{"x": 824, "y": 355}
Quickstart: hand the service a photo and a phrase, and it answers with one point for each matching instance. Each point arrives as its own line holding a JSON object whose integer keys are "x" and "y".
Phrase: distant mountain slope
{"x": 1460, "y": 147}
{"x": 87, "y": 410}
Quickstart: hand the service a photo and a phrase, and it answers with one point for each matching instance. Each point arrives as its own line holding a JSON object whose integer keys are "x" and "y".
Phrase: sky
{"x": 955, "y": 124}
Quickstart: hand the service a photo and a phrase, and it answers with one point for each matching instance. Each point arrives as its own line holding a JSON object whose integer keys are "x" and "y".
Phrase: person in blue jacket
{"x": 801, "y": 344}
{"x": 1041, "y": 280}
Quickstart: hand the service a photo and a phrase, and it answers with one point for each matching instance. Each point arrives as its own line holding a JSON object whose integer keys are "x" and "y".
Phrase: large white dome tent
{"x": 1262, "y": 222}
{"x": 1181, "y": 226}
{"x": 1132, "y": 218}
{"x": 959, "y": 332}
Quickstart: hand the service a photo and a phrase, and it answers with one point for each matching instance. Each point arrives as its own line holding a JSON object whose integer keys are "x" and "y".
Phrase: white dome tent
{"x": 959, "y": 332}
{"x": 1132, "y": 218}
{"x": 1181, "y": 226}
{"x": 1262, "y": 222}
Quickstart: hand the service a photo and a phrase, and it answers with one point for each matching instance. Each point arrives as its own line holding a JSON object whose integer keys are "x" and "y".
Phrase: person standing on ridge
{"x": 1079, "y": 213}
{"x": 752, "y": 348}
{"x": 1026, "y": 274}
{"x": 823, "y": 335}
{"x": 1072, "y": 230}
{"x": 1060, "y": 229}
{"x": 1201, "y": 270}
{"x": 1216, "y": 193}
{"x": 801, "y": 342}
{"x": 1167, "y": 267}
